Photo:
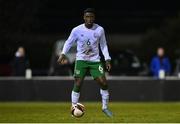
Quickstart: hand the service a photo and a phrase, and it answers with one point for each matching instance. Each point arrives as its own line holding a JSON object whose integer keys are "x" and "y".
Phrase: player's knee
{"x": 103, "y": 83}
{"x": 78, "y": 82}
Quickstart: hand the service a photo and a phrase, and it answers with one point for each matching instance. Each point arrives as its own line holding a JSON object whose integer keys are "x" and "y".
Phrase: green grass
{"x": 60, "y": 112}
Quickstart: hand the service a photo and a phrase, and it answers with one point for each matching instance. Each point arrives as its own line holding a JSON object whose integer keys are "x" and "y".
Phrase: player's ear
{"x": 84, "y": 16}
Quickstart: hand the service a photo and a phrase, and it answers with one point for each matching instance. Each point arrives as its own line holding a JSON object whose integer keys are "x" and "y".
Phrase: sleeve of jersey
{"x": 69, "y": 42}
{"x": 103, "y": 46}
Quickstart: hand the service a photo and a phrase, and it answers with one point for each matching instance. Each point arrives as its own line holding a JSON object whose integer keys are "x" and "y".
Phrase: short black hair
{"x": 91, "y": 10}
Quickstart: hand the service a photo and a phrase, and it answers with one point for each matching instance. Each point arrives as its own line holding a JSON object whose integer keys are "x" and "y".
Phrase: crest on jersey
{"x": 77, "y": 71}
{"x": 95, "y": 35}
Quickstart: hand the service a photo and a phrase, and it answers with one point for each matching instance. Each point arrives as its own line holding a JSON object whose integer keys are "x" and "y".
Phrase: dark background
{"x": 37, "y": 24}
{"x": 58, "y": 89}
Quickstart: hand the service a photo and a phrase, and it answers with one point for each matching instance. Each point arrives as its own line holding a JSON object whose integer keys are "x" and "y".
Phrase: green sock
{"x": 76, "y": 88}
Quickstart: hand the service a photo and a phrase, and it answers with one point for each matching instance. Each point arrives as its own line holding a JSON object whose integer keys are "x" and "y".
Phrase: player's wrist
{"x": 108, "y": 61}
{"x": 62, "y": 55}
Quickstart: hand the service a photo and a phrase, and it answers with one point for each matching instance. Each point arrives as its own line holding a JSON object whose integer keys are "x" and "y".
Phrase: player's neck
{"x": 88, "y": 26}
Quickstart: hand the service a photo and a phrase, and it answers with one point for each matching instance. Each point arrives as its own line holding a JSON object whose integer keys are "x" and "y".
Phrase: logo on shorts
{"x": 77, "y": 71}
{"x": 101, "y": 69}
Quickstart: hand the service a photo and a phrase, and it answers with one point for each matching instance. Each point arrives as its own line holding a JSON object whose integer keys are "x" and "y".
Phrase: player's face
{"x": 89, "y": 19}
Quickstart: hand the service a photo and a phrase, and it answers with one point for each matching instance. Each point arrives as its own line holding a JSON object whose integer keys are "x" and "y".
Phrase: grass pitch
{"x": 60, "y": 112}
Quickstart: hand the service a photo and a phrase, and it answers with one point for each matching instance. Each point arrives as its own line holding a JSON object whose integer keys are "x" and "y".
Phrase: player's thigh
{"x": 80, "y": 69}
{"x": 97, "y": 70}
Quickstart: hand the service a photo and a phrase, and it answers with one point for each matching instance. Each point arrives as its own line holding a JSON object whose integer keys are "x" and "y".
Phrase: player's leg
{"x": 98, "y": 74}
{"x": 76, "y": 91}
{"x": 97, "y": 71}
{"x": 103, "y": 91}
{"x": 104, "y": 94}
{"x": 79, "y": 74}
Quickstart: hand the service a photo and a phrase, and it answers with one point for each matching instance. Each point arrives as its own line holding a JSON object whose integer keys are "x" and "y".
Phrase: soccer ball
{"x": 78, "y": 110}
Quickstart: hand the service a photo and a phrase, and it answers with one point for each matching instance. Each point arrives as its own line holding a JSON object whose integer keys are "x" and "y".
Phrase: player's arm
{"x": 67, "y": 45}
{"x": 104, "y": 49}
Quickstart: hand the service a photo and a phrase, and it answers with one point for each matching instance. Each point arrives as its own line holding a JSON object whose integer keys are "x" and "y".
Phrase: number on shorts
{"x": 100, "y": 68}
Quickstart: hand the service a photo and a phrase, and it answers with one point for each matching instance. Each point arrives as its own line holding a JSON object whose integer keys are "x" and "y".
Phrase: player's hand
{"x": 108, "y": 65}
{"x": 62, "y": 59}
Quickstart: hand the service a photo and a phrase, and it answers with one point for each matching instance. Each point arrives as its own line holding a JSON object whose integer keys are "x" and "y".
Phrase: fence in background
{"x": 59, "y": 89}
